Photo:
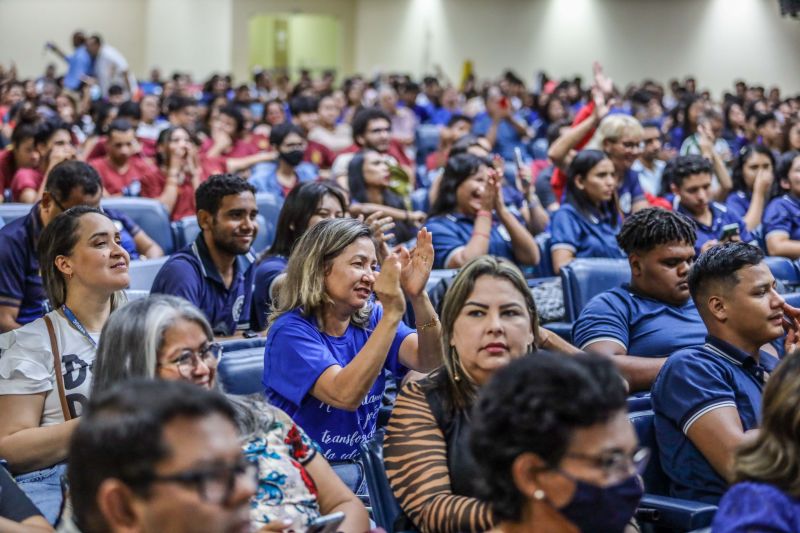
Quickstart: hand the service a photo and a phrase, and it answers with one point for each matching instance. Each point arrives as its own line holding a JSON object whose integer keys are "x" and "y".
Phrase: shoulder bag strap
{"x": 57, "y": 368}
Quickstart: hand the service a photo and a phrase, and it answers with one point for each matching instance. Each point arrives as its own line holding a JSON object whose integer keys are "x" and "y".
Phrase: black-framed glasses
{"x": 187, "y": 360}
{"x": 616, "y": 463}
{"x": 214, "y": 484}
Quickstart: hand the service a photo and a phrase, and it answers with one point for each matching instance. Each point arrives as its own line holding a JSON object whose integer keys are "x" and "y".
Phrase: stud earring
{"x": 538, "y": 495}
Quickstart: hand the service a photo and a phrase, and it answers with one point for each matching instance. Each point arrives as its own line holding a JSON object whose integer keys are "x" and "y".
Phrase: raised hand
{"x": 416, "y": 265}
{"x": 763, "y": 181}
{"x": 387, "y": 286}
{"x": 603, "y": 82}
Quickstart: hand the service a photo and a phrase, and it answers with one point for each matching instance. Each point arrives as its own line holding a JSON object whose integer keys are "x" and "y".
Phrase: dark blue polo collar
{"x": 33, "y": 225}
{"x": 209, "y": 269}
{"x": 757, "y": 369}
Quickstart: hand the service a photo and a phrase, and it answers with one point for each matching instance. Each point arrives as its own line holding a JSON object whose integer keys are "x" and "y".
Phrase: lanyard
{"x": 77, "y": 324}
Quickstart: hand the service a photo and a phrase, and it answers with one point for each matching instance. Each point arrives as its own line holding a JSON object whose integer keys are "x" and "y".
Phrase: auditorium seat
{"x": 150, "y": 215}
{"x": 134, "y": 294}
{"x": 241, "y": 371}
{"x": 784, "y": 270}
{"x": 385, "y": 509}
{"x": 2, "y": 222}
{"x": 583, "y": 279}
{"x": 12, "y": 211}
{"x": 142, "y": 273}
{"x": 426, "y": 139}
{"x": 545, "y": 267}
{"x": 656, "y": 506}
{"x": 269, "y": 207}
{"x": 186, "y": 230}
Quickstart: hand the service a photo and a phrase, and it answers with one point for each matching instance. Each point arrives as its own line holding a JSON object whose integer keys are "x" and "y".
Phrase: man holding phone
{"x": 689, "y": 177}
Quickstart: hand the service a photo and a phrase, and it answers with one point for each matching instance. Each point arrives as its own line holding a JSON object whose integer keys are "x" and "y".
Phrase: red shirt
{"x": 319, "y": 155}
{"x": 153, "y": 185}
{"x": 240, "y": 148}
{"x": 559, "y": 179}
{"x": 7, "y": 169}
{"x": 128, "y": 183}
{"x": 25, "y": 178}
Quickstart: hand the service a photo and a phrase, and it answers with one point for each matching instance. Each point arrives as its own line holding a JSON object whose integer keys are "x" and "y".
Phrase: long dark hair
{"x": 300, "y": 205}
{"x": 59, "y": 237}
{"x": 580, "y": 167}
{"x": 163, "y": 139}
{"x": 737, "y": 172}
{"x": 457, "y": 170}
{"x": 785, "y": 165}
{"x": 358, "y": 185}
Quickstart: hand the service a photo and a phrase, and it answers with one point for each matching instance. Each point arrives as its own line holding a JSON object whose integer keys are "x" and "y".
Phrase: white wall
{"x": 717, "y": 40}
{"x": 25, "y": 25}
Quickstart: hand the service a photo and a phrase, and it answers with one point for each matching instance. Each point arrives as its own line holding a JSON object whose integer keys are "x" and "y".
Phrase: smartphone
{"x": 729, "y": 231}
{"x": 518, "y": 158}
{"x": 328, "y": 523}
{"x": 504, "y": 102}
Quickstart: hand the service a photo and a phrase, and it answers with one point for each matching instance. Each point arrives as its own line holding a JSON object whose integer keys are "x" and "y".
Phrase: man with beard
{"x": 640, "y": 323}
{"x": 215, "y": 272}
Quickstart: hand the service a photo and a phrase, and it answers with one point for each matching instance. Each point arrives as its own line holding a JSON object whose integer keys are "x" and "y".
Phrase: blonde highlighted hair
{"x": 311, "y": 260}
{"x": 774, "y": 456}
{"x": 615, "y": 127}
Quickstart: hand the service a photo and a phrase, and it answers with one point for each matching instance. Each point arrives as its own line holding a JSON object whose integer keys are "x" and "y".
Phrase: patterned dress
{"x": 285, "y": 489}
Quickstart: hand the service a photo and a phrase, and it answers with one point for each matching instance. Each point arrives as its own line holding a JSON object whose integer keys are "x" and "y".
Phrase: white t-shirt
{"x": 26, "y": 365}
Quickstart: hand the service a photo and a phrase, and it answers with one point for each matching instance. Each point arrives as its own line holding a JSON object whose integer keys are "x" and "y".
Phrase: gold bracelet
{"x": 427, "y": 325}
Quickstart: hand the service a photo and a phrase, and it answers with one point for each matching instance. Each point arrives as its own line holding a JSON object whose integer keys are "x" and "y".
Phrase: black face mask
{"x": 293, "y": 157}
{"x": 597, "y": 509}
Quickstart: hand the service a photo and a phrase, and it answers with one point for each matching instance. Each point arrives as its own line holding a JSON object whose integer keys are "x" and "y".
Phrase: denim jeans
{"x": 352, "y": 474}
{"x": 43, "y": 487}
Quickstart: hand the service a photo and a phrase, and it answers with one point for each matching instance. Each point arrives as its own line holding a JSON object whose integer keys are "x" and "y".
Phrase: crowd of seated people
{"x": 378, "y": 184}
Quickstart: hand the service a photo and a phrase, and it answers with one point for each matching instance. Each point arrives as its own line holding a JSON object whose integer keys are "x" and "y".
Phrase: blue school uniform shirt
{"x": 643, "y": 326}
{"x": 264, "y": 176}
{"x": 782, "y": 216}
{"x": 453, "y": 231}
{"x": 295, "y": 356}
{"x": 691, "y": 383}
{"x": 630, "y": 191}
{"x": 266, "y": 273}
{"x": 720, "y": 217}
{"x": 585, "y": 237}
{"x": 20, "y": 281}
{"x": 753, "y": 506}
{"x": 127, "y": 228}
{"x": 79, "y": 65}
{"x": 190, "y": 273}
{"x": 738, "y": 202}
{"x": 507, "y": 137}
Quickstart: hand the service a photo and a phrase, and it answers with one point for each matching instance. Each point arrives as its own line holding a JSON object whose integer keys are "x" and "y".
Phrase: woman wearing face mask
{"x": 587, "y": 223}
{"x": 46, "y": 365}
{"x": 168, "y": 338}
{"x": 368, "y": 179}
{"x": 554, "y": 447}
{"x": 488, "y": 319}
{"x": 282, "y": 176}
{"x": 754, "y": 184}
{"x": 307, "y": 204}
{"x": 782, "y": 216}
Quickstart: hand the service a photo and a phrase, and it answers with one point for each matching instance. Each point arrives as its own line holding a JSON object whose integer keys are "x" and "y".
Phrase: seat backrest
{"x": 784, "y": 269}
{"x": 187, "y": 229}
{"x": 2, "y": 222}
{"x": 12, "y": 211}
{"x": 134, "y": 294}
{"x": 545, "y": 267}
{"x": 655, "y": 480}
{"x": 582, "y": 279}
{"x": 269, "y": 206}
{"x": 143, "y": 273}
{"x": 385, "y": 509}
{"x": 426, "y": 140}
{"x": 241, "y": 371}
{"x": 150, "y": 215}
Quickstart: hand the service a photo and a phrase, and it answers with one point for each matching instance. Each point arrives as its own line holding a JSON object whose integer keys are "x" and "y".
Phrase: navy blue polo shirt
{"x": 20, "y": 281}
{"x": 585, "y": 237}
{"x": 691, "y": 383}
{"x": 267, "y": 272}
{"x": 451, "y": 232}
{"x": 643, "y": 326}
{"x": 782, "y": 216}
{"x": 721, "y": 217}
{"x": 738, "y": 202}
{"x": 630, "y": 191}
{"x": 190, "y": 273}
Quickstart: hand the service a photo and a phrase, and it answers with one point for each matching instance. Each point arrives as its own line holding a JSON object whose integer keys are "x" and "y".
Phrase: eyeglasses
{"x": 616, "y": 463}
{"x": 188, "y": 360}
{"x": 215, "y": 484}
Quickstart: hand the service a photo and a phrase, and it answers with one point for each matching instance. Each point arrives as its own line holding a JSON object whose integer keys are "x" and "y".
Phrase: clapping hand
{"x": 791, "y": 324}
{"x": 416, "y": 265}
{"x": 387, "y": 285}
